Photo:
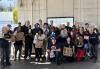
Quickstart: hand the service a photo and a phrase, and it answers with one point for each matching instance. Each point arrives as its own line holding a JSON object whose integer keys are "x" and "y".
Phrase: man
{"x": 1, "y": 40}
{"x": 94, "y": 41}
{"x": 25, "y": 29}
{"x": 7, "y": 34}
{"x": 29, "y": 43}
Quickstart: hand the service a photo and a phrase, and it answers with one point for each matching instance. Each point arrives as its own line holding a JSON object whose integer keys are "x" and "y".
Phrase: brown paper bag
{"x": 67, "y": 51}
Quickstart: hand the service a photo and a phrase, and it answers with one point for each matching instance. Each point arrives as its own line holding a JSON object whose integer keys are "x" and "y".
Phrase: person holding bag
{"x": 19, "y": 38}
{"x": 68, "y": 50}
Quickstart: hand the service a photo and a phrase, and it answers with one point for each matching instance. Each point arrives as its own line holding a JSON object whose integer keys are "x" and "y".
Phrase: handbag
{"x": 80, "y": 55}
{"x": 67, "y": 51}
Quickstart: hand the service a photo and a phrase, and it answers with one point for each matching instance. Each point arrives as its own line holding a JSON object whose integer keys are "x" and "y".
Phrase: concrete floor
{"x": 74, "y": 65}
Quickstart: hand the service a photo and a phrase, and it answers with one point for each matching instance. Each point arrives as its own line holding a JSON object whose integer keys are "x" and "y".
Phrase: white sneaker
{"x": 36, "y": 60}
{"x": 88, "y": 54}
{"x": 40, "y": 59}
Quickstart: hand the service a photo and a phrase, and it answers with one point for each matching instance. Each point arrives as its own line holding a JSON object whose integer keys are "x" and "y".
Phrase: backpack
{"x": 80, "y": 54}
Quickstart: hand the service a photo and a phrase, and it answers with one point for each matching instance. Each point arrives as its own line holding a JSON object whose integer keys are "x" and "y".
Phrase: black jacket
{"x": 36, "y": 30}
{"x": 25, "y": 29}
{"x": 93, "y": 38}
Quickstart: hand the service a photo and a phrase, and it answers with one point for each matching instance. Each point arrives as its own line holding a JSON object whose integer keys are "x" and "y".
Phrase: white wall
{"x": 25, "y": 12}
{"x": 44, "y": 8}
{"x": 87, "y": 11}
{"x": 83, "y": 10}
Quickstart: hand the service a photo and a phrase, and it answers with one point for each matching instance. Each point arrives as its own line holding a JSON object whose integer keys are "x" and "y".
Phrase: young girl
{"x": 68, "y": 50}
{"x": 39, "y": 38}
{"x": 53, "y": 49}
{"x": 54, "y": 52}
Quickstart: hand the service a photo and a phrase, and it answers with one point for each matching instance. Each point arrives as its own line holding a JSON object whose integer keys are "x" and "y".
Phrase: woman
{"x": 86, "y": 42}
{"x": 19, "y": 37}
{"x": 94, "y": 40}
{"x": 38, "y": 40}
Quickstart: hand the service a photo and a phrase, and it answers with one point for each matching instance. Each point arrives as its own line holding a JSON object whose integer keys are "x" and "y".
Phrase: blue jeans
{"x": 59, "y": 57}
{"x": 94, "y": 51}
{"x": 5, "y": 51}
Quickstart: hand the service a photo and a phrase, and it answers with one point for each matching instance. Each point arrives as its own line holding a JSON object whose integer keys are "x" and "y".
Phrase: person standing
{"x": 94, "y": 41}
{"x": 29, "y": 43}
{"x": 39, "y": 38}
{"x": 25, "y": 29}
{"x": 19, "y": 37}
{"x": 86, "y": 42}
{"x": 1, "y": 47}
{"x": 6, "y": 42}
{"x": 46, "y": 32}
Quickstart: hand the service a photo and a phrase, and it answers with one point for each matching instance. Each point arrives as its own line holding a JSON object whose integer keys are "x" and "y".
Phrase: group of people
{"x": 55, "y": 44}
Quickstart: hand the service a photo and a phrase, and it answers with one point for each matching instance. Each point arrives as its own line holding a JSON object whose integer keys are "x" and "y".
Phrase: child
{"x": 68, "y": 50}
{"x": 53, "y": 49}
{"x": 38, "y": 40}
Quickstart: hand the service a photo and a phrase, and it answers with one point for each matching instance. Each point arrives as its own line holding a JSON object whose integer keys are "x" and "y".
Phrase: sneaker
{"x": 36, "y": 60}
{"x": 88, "y": 54}
{"x": 40, "y": 59}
